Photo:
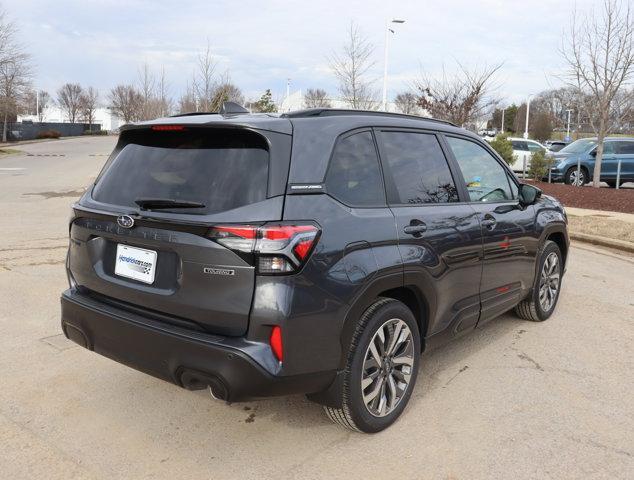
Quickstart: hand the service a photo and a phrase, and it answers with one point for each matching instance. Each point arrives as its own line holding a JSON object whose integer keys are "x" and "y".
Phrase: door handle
{"x": 415, "y": 228}
{"x": 488, "y": 222}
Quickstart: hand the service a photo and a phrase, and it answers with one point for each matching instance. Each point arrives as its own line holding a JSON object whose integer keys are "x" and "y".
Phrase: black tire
{"x": 571, "y": 173}
{"x": 354, "y": 414}
{"x": 531, "y": 308}
{"x": 611, "y": 183}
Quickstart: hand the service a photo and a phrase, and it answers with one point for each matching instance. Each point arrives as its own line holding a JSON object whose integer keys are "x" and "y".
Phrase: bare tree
{"x": 187, "y": 101}
{"x": 69, "y": 98}
{"x": 163, "y": 96}
{"x": 126, "y": 102}
{"x": 406, "y": 102}
{"x": 88, "y": 105}
{"x": 351, "y": 68}
{"x": 42, "y": 103}
{"x": 204, "y": 80}
{"x": 225, "y": 91}
{"x": 461, "y": 98}
{"x": 15, "y": 71}
{"x": 599, "y": 51}
{"x": 316, "y": 98}
{"x": 147, "y": 85}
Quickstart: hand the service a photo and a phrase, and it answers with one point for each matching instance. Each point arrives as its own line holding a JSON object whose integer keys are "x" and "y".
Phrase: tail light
{"x": 277, "y": 248}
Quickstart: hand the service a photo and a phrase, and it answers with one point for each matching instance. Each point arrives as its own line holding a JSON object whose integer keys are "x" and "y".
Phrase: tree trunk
{"x": 4, "y": 126}
{"x": 596, "y": 176}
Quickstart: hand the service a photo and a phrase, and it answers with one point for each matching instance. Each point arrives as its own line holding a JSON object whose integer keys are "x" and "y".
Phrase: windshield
{"x": 579, "y": 146}
{"x": 219, "y": 169}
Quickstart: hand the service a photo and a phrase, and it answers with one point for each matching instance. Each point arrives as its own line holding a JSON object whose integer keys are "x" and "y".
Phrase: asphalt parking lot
{"x": 514, "y": 399}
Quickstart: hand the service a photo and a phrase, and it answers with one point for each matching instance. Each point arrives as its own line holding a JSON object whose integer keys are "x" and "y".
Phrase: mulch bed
{"x": 609, "y": 199}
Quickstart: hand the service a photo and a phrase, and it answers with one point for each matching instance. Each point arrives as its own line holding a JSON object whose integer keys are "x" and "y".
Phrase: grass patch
{"x": 9, "y": 151}
{"x": 602, "y": 227}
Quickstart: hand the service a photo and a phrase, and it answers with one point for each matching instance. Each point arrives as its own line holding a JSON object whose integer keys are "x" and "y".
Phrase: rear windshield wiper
{"x": 158, "y": 203}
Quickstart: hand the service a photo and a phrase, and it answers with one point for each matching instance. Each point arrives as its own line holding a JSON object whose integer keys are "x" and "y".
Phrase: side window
{"x": 625, "y": 148}
{"x": 486, "y": 179}
{"x": 353, "y": 176}
{"x": 419, "y": 168}
{"x": 534, "y": 147}
{"x": 519, "y": 145}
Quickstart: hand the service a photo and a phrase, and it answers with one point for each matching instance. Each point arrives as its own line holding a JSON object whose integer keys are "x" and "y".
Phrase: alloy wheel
{"x": 549, "y": 282}
{"x": 387, "y": 367}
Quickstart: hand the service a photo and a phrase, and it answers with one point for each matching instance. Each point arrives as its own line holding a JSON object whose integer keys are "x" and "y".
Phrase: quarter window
{"x": 486, "y": 180}
{"x": 354, "y": 177}
{"x": 419, "y": 169}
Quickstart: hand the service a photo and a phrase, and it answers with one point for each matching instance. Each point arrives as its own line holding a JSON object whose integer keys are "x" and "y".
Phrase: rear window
{"x": 222, "y": 169}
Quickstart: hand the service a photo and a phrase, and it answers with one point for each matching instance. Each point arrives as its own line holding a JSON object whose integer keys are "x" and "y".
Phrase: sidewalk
{"x": 599, "y": 227}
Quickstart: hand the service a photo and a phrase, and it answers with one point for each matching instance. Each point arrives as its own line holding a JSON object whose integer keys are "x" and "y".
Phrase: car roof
{"x": 314, "y": 136}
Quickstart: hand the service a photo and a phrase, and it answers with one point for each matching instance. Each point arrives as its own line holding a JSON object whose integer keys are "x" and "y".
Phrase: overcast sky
{"x": 261, "y": 43}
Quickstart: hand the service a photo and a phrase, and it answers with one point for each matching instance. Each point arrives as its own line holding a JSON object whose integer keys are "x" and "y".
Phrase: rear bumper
{"x": 233, "y": 367}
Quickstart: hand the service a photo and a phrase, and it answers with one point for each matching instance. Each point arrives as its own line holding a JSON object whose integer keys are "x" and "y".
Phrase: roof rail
{"x": 331, "y": 112}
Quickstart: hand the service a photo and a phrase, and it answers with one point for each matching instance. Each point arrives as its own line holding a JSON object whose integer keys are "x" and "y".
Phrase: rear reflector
{"x": 276, "y": 343}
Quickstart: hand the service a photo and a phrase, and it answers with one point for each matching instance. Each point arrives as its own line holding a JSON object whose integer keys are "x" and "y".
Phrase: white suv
{"x": 523, "y": 149}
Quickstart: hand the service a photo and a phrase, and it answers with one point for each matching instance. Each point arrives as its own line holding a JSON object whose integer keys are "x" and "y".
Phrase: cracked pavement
{"x": 514, "y": 399}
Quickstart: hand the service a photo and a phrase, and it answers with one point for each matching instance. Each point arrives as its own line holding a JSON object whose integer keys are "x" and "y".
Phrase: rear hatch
{"x": 140, "y": 235}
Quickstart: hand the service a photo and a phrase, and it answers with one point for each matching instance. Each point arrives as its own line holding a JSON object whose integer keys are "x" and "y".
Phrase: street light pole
{"x": 528, "y": 108}
{"x": 502, "y": 129}
{"x": 387, "y": 38}
{"x": 568, "y": 128}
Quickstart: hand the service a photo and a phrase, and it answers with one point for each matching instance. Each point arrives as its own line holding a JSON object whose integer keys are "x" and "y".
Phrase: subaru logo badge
{"x": 125, "y": 221}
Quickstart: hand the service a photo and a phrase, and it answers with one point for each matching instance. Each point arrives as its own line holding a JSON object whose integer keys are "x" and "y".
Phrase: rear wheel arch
{"x": 416, "y": 302}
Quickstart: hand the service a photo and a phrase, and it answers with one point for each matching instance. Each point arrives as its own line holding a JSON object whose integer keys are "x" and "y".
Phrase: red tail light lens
{"x": 276, "y": 343}
{"x": 279, "y": 248}
{"x": 168, "y": 128}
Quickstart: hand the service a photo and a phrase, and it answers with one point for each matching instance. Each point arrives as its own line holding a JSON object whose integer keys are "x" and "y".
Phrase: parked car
{"x": 523, "y": 150}
{"x": 582, "y": 153}
{"x": 318, "y": 252}
{"x": 555, "y": 145}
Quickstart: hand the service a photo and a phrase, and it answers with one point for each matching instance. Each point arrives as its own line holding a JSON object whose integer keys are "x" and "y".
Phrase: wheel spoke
{"x": 373, "y": 393}
{"x": 391, "y": 384}
{"x": 404, "y": 360}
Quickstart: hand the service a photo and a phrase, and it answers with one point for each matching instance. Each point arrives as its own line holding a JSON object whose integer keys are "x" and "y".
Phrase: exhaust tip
{"x": 193, "y": 380}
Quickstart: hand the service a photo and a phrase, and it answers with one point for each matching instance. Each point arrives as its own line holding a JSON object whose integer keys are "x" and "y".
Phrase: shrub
{"x": 49, "y": 134}
{"x": 540, "y": 163}
{"x": 504, "y": 147}
{"x": 95, "y": 132}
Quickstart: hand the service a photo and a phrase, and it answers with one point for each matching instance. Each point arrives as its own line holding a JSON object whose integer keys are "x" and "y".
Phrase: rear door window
{"x": 354, "y": 177}
{"x": 625, "y": 148}
{"x": 222, "y": 169}
{"x": 418, "y": 167}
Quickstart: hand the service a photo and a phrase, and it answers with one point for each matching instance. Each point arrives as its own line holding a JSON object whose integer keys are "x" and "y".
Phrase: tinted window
{"x": 625, "y": 148}
{"x": 208, "y": 168}
{"x": 519, "y": 145}
{"x": 354, "y": 177}
{"x": 419, "y": 168}
{"x": 486, "y": 179}
{"x": 534, "y": 147}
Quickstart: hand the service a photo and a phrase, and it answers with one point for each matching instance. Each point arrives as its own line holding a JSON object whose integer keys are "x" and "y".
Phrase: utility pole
{"x": 37, "y": 105}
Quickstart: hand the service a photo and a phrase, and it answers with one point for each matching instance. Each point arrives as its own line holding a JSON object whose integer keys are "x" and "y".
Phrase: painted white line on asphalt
{"x": 12, "y": 168}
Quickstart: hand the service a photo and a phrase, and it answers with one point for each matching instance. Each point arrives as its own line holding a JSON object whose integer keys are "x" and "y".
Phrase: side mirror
{"x": 529, "y": 194}
{"x": 593, "y": 153}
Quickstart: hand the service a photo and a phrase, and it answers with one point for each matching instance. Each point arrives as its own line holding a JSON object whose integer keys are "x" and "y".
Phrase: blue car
{"x": 615, "y": 149}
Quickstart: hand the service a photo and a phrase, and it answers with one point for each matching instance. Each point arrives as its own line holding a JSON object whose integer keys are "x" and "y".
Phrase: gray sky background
{"x": 261, "y": 43}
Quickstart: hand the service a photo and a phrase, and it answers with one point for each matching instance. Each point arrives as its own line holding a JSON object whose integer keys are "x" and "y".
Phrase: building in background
{"x": 53, "y": 114}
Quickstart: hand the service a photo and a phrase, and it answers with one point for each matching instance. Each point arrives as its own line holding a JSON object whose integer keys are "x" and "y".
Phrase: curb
{"x": 603, "y": 242}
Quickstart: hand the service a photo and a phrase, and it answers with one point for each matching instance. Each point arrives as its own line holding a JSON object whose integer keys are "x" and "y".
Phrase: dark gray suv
{"x": 317, "y": 252}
